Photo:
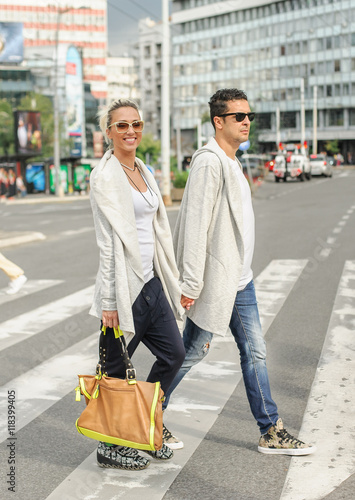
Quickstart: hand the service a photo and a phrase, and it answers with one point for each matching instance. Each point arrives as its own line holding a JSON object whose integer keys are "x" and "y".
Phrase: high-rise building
{"x": 266, "y": 48}
{"x": 81, "y": 23}
{"x": 122, "y": 78}
{"x": 150, "y": 60}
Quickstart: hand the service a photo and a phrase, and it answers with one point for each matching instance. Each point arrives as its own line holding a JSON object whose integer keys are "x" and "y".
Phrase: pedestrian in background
{"x": 20, "y": 185}
{"x": 214, "y": 245}
{"x": 15, "y": 274}
{"x": 137, "y": 284}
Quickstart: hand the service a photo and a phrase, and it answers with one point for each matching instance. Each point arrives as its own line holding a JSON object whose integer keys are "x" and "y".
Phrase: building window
{"x": 336, "y": 118}
{"x": 337, "y": 65}
{"x": 329, "y": 91}
{"x": 328, "y": 42}
{"x": 345, "y": 89}
{"x": 288, "y": 119}
{"x": 352, "y": 117}
{"x": 353, "y": 64}
{"x": 263, "y": 120}
{"x": 282, "y": 50}
{"x": 147, "y": 51}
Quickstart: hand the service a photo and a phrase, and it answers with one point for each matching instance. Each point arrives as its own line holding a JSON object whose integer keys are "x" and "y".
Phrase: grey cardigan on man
{"x": 208, "y": 239}
{"x": 120, "y": 277}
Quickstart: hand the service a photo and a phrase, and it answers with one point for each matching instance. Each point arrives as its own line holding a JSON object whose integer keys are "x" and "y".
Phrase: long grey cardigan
{"x": 208, "y": 239}
{"x": 120, "y": 277}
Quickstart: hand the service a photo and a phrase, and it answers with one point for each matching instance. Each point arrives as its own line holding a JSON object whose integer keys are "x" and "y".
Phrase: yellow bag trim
{"x": 83, "y": 389}
{"x": 117, "y": 331}
{"x": 152, "y": 414}
{"x": 112, "y": 440}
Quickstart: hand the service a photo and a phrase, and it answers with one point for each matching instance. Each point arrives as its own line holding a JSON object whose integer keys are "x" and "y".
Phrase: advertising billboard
{"x": 11, "y": 42}
{"x": 35, "y": 177}
{"x": 28, "y": 132}
{"x": 75, "y": 99}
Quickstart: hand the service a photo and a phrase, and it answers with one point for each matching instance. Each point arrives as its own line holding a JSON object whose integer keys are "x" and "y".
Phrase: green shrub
{"x": 180, "y": 179}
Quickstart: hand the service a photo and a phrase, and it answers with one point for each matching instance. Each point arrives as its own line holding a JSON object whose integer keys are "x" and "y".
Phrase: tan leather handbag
{"x": 123, "y": 412}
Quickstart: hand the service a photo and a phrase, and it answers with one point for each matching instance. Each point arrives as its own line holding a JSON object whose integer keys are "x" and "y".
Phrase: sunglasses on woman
{"x": 122, "y": 127}
{"x": 239, "y": 117}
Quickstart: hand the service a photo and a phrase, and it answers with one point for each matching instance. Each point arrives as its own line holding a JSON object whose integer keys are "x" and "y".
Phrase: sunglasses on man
{"x": 122, "y": 126}
{"x": 239, "y": 117}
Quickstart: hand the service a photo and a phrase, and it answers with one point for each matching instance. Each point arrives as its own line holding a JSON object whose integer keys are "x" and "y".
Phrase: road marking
{"x": 330, "y": 414}
{"x": 27, "y": 237}
{"x": 33, "y": 322}
{"x": 73, "y": 232}
{"x": 194, "y": 408}
{"x": 40, "y": 388}
{"x": 31, "y": 286}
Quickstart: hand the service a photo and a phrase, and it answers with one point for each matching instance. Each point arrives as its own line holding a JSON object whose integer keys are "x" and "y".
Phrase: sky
{"x": 123, "y": 17}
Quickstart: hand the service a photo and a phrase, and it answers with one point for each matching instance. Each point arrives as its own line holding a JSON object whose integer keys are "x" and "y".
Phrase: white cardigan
{"x": 208, "y": 239}
{"x": 120, "y": 277}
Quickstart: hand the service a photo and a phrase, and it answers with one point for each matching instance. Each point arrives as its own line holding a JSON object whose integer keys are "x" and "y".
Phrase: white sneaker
{"x": 170, "y": 440}
{"x": 16, "y": 285}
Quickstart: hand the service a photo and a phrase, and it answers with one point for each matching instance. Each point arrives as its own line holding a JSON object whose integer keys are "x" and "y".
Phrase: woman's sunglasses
{"x": 122, "y": 127}
{"x": 241, "y": 116}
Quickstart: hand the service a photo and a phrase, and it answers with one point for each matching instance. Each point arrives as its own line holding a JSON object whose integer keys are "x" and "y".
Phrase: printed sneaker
{"x": 120, "y": 457}
{"x": 165, "y": 453}
{"x": 278, "y": 441}
{"x": 173, "y": 442}
{"x": 16, "y": 284}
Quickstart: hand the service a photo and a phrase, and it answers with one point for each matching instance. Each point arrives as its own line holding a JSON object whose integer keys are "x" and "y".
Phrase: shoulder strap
{"x": 100, "y": 368}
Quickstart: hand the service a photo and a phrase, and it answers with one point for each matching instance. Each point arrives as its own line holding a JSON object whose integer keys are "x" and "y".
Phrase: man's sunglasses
{"x": 241, "y": 116}
{"x": 122, "y": 127}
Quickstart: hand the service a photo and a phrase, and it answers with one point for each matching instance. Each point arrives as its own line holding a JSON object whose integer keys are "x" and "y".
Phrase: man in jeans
{"x": 214, "y": 244}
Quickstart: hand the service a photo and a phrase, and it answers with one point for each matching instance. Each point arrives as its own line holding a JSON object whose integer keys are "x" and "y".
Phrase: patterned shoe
{"x": 120, "y": 457}
{"x": 173, "y": 442}
{"x": 278, "y": 441}
{"x": 165, "y": 453}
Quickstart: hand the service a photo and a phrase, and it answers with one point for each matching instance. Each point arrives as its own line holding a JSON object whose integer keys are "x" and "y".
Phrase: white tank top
{"x": 144, "y": 214}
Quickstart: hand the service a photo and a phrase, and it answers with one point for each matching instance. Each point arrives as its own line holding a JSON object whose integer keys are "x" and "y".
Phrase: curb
{"x": 46, "y": 199}
{"x": 20, "y": 239}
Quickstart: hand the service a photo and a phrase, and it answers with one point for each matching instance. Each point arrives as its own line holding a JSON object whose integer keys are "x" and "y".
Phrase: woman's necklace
{"x": 145, "y": 182}
{"x": 129, "y": 168}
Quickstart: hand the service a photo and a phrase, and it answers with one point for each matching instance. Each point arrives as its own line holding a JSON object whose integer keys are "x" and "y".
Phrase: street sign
{"x": 244, "y": 146}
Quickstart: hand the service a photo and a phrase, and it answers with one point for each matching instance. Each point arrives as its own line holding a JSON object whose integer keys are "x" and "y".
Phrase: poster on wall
{"x": 11, "y": 42}
{"x": 75, "y": 100}
{"x": 28, "y": 132}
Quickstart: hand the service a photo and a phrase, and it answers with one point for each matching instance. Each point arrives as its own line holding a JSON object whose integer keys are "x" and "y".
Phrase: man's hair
{"x": 219, "y": 101}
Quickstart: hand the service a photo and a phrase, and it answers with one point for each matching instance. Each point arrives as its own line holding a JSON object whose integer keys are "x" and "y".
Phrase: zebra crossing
{"x": 200, "y": 398}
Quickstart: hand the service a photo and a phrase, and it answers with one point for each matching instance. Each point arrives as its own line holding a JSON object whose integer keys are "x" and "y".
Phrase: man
{"x": 214, "y": 244}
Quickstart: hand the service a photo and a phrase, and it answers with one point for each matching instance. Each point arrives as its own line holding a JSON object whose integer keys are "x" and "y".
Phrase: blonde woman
{"x": 137, "y": 283}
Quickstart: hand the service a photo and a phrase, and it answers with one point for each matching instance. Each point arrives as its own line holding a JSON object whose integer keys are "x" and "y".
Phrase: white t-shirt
{"x": 248, "y": 225}
{"x": 144, "y": 214}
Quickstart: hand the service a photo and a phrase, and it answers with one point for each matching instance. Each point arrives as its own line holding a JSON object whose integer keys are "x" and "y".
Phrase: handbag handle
{"x": 130, "y": 370}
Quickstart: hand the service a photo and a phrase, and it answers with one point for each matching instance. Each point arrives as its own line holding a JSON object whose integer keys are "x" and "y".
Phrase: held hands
{"x": 110, "y": 319}
{"x": 186, "y": 302}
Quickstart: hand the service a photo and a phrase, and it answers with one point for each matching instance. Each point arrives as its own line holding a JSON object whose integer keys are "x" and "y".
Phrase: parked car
{"x": 322, "y": 165}
{"x": 293, "y": 165}
{"x": 256, "y": 164}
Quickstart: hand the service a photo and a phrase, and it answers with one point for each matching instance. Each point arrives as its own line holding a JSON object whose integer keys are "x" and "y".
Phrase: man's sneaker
{"x": 165, "y": 453}
{"x": 172, "y": 441}
{"x": 120, "y": 457}
{"x": 16, "y": 284}
{"x": 278, "y": 441}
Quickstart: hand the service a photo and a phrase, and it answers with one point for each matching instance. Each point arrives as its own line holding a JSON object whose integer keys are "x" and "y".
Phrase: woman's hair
{"x": 105, "y": 115}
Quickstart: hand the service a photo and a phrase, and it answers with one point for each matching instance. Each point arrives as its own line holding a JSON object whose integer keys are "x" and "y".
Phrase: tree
{"x": 7, "y": 139}
{"x": 149, "y": 146}
{"x": 44, "y": 105}
{"x": 332, "y": 147}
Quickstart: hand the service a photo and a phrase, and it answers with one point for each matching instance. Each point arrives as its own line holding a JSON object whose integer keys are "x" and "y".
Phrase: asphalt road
{"x": 310, "y": 225}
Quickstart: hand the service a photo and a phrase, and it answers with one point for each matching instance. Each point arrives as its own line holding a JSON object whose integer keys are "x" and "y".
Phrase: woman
{"x": 137, "y": 283}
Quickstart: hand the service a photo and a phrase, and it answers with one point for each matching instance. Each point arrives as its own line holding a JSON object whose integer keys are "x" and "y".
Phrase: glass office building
{"x": 267, "y": 48}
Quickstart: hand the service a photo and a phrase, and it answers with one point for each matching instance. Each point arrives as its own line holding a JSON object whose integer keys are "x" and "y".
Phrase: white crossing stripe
{"x": 24, "y": 326}
{"x": 273, "y": 286}
{"x": 330, "y": 415}
{"x": 199, "y": 398}
{"x": 31, "y": 286}
{"x": 40, "y": 388}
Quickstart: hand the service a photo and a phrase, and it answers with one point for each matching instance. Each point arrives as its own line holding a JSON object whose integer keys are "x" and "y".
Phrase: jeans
{"x": 246, "y": 330}
{"x": 156, "y": 327}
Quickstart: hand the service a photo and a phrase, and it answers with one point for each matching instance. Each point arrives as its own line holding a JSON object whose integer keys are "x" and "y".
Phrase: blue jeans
{"x": 246, "y": 329}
